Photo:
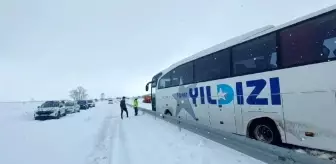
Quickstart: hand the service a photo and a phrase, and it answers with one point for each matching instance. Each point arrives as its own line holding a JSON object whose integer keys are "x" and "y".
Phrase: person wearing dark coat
{"x": 123, "y": 107}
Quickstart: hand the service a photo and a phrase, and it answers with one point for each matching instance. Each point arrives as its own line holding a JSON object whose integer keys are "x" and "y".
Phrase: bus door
{"x": 221, "y": 109}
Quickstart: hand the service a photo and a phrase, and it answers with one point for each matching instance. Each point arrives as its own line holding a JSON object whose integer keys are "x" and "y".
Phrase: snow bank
{"x": 11, "y": 112}
{"x": 316, "y": 153}
{"x": 144, "y": 140}
{"x": 319, "y": 154}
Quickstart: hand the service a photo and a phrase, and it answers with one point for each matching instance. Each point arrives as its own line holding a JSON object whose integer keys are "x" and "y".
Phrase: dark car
{"x": 83, "y": 104}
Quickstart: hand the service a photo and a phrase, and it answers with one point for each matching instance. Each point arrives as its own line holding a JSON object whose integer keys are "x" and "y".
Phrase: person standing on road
{"x": 123, "y": 107}
{"x": 135, "y": 105}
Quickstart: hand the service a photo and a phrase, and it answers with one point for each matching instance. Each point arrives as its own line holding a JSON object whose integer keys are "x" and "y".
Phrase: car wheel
{"x": 58, "y": 115}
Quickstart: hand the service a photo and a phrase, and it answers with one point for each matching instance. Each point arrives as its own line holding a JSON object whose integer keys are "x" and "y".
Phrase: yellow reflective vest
{"x": 135, "y": 103}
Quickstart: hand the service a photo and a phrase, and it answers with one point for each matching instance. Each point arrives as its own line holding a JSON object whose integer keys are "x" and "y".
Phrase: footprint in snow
{"x": 87, "y": 119}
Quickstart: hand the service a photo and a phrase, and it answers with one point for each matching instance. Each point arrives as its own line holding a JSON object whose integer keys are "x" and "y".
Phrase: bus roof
{"x": 247, "y": 36}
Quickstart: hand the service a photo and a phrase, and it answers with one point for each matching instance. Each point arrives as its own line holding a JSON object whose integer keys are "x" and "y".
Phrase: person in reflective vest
{"x": 135, "y": 105}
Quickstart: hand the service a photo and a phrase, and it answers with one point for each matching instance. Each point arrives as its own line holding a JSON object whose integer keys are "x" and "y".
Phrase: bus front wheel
{"x": 167, "y": 112}
{"x": 265, "y": 130}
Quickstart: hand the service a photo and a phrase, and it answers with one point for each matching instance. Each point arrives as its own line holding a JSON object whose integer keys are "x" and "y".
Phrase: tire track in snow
{"x": 111, "y": 141}
{"x": 124, "y": 145}
{"x": 120, "y": 154}
{"x": 101, "y": 151}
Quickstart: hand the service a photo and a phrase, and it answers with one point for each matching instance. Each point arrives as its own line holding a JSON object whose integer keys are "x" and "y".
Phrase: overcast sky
{"x": 48, "y": 47}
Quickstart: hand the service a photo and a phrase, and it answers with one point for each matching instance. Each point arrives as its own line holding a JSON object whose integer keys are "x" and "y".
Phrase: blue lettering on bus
{"x": 202, "y": 95}
{"x": 258, "y": 85}
{"x": 225, "y": 93}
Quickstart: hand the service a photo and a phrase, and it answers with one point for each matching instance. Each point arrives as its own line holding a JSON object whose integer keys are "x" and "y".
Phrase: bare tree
{"x": 102, "y": 96}
{"x": 79, "y": 93}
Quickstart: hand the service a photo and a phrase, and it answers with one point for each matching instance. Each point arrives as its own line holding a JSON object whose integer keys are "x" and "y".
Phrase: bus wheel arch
{"x": 167, "y": 112}
{"x": 264, "y": 129}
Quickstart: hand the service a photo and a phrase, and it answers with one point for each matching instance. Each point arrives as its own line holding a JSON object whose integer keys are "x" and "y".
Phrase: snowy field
{"x": 99, "y": 136}
{"x": 68, "y": 140}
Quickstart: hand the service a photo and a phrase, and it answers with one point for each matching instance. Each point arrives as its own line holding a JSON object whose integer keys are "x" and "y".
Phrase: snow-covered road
{"x": 99, "y": 136}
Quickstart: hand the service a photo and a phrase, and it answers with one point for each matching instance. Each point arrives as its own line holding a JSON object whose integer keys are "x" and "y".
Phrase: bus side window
{"x": 255, "y": 56}
{"x": 212, "y": 67}
{"x": 310, "y": 41}
{"x": 183, "y": 74}
{"x": 165, "y": 81}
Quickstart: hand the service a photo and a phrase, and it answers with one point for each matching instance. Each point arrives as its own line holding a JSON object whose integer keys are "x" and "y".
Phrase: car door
{"x": 76, "y": 106}
{"x": 72, "y": 107}
{"x": 67, "y": 107}
{"x": 62, "y": 108}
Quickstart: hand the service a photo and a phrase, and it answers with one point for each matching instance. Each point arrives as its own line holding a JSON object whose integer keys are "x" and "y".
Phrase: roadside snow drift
{"x": 68, "y": 140}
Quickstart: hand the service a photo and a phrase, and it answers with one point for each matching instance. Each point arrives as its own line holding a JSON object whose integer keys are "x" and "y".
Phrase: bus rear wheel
{"x": 265, "y": 130}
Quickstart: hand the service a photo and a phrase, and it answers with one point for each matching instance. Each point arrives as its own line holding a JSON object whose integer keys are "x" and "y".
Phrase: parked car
{"x": 110, "y": 101}
{"x": 147, "y": 99}
{"x": 91, "y": 103}
{"x": 83, "y": 104}
{"x": 50, "y": 109}
{"x": 72, "y": 107}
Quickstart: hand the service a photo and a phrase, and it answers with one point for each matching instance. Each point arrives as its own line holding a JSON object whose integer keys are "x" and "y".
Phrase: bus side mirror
{"x": 147, "y": 85}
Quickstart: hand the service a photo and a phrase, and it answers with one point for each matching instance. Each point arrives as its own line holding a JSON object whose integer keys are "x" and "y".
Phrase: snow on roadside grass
{"x": 68, "y": 140}
{"x": 17, "y": 111}
{"x": 319, "y": 154}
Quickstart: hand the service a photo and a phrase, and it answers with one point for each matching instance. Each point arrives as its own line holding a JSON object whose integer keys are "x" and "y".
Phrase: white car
{"x": 110, "y": 101}
{"x": 71, "y": 107}
{"x": 50, "y": 109}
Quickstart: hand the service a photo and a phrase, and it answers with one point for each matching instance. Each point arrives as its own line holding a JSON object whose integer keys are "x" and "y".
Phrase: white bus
{"x": 274, "y": 84}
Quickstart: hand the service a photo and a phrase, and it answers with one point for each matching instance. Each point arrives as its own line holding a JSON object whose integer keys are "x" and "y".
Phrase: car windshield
{"x": 81, "y": 102}
{"x": 69, "y": 104}
{"x": 50, "y": 104}
{"x": 90, "y": 101}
